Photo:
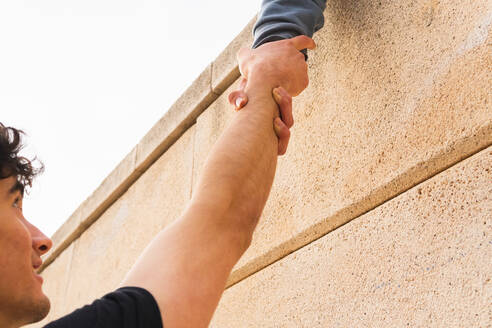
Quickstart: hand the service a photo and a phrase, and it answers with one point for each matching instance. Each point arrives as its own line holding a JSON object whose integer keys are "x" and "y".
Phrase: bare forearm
{"x": 239, "y": 172}
{"x": 192, "y": 258}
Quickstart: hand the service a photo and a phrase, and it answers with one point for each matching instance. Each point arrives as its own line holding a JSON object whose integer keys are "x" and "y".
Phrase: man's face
{"x": 21, "y": 245}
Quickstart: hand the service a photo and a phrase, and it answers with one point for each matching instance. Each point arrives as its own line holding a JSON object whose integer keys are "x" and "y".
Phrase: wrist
{"x": 260, "y": 101}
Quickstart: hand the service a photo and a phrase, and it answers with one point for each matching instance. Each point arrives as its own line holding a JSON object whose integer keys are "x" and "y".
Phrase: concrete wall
{"x": 380, "y": 213}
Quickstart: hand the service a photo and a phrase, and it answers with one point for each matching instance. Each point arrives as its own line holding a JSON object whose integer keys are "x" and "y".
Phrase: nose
{"x": 40, "y": 242}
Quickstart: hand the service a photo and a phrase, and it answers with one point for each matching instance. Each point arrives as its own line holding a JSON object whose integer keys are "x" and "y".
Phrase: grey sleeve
{"x": 285, "y": 19}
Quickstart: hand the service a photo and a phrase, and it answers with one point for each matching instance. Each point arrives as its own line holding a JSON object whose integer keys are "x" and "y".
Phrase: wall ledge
{"x": 209, "y": 85}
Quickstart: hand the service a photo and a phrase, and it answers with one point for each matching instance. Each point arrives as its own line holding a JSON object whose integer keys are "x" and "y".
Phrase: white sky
{"x": 87, "y": 79}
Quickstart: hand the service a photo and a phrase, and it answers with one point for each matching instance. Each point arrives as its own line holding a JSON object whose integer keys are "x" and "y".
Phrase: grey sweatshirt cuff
{"x": 285, "y": 19}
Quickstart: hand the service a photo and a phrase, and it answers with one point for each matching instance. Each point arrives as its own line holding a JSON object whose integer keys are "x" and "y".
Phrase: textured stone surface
{"x": 399, "y": 92}
{"x": 55, "y": 285}
{"x": 176, "y": 120}
{"x": 108, "y": 191}
{"x": 393, "y": 100}
{"x": 423, "y": 259}
{"x": 224, "y": 68}
{"x": 106, "y": 250}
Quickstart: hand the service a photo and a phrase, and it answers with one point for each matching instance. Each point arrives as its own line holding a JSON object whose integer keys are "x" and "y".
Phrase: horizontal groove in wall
{"x": 448, "y": 158}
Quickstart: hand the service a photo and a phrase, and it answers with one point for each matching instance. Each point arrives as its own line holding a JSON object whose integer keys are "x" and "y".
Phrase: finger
{"x": 238, "y": 99}
{"x": 303, "y": 42}
{"x": 283, "y": 134}
{"x": 242, "y": 99}
{"x": 284, "y": 101}
{"x": 281, "y": 130}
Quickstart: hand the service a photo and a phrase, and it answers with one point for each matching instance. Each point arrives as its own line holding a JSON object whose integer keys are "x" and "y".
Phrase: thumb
{"x": 303, "y": 42}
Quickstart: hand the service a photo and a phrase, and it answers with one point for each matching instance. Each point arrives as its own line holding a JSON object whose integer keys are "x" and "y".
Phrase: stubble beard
{"x": 40, "y": 309}
{"x": 32, "y": 310}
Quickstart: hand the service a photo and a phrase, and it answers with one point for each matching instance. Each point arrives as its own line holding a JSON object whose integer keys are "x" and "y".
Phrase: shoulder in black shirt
{"x": 127, "y": 307}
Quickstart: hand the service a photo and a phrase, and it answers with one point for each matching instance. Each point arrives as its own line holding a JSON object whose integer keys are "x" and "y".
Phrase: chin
{"x": 43, "y": 307}
{"x": 39, "y": 309}
{"x": 31, "y": 309}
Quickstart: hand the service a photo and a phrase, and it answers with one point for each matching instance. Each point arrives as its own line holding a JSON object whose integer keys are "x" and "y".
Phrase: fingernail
{"x": 239, "y": 101}
{"x": 277, "y": 95}
{"x": 277, "y": 123}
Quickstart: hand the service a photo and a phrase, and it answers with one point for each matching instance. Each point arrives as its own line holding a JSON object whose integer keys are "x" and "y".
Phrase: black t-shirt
{"x": 127, "y": 307}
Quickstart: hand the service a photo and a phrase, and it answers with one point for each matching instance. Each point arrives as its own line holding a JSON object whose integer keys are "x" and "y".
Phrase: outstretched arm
{"x": 187, "y": 265}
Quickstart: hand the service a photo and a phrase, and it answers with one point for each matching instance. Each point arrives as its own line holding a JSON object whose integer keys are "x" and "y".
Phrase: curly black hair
{"x": 11, "y": 163}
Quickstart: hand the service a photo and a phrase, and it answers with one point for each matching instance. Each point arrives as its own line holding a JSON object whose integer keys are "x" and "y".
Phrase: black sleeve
{"x": 285, "y": 19}
{"x": 127, "y": 307}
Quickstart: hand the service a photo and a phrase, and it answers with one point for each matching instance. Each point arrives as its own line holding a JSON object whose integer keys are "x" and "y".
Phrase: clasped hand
{"x": 282, "y": 67}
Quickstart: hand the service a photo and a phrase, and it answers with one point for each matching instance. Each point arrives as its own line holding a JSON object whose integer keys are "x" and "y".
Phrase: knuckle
{"x": 305, "y": 39}
{"x": 285, "y": 93}
{"x": 282, "y": 131}
{"x": 288, "y": 101}
{"x": 301, "y": 37}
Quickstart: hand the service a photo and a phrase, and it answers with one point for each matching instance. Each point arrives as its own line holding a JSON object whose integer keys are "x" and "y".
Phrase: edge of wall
{"x": 212, "y": 82}
{"x": 209, "y": 85}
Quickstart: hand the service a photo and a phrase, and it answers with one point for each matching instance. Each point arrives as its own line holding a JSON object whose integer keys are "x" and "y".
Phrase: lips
{"x": 38, "y": 277}
{"x": 35, "y": 265}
